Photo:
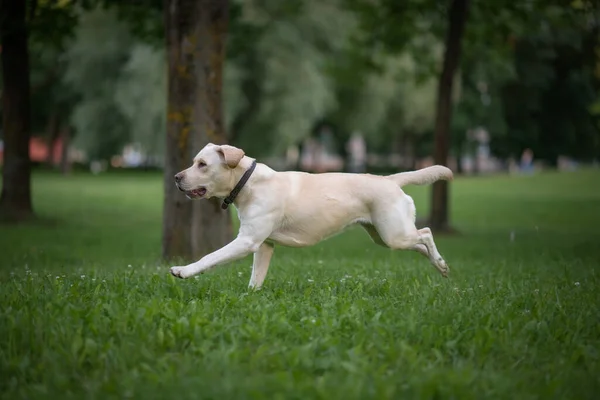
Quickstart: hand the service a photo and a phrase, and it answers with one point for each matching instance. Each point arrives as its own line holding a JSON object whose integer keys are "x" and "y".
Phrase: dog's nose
{"x": 178, "y": 177}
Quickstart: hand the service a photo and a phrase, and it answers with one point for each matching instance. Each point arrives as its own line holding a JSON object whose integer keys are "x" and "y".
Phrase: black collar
{"x": 236, "y": 190}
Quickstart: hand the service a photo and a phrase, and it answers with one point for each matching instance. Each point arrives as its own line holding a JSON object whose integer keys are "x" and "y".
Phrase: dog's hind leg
{"x": 394, "y": 222}
{"x": 260, "y": 266}
{"x": 370, "y": 229}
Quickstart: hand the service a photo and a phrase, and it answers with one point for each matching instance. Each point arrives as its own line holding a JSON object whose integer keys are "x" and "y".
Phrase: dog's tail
{"x": 425, "y": 176}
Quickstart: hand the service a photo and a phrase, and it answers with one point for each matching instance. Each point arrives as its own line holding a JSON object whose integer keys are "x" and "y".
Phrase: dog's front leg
{"x": 237, "y": 249}
{"x": 260, "y": 266}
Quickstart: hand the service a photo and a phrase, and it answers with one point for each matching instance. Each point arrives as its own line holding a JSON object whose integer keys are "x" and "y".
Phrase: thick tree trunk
{"x": 15, "y": 200}
{"x": 439, "y": 200}
{"x": 196, "y": 31}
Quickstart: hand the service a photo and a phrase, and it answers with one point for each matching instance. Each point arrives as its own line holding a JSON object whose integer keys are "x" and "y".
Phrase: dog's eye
{"x": 201, "y": 164}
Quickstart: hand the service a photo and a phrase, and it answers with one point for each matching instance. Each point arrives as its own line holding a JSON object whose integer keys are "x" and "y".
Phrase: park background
{"x": 104, "y": 101}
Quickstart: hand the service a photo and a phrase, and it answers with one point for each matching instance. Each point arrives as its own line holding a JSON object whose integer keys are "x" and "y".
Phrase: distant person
{"x": 357, "y": 153}
{"x": 527, "y": 161}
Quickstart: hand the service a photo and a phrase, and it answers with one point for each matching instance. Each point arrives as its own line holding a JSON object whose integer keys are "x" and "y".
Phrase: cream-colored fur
{"x": 299, "y": 209}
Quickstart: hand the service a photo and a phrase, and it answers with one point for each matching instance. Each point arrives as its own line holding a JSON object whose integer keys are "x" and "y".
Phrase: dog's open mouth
{"x": 196, "y": 193}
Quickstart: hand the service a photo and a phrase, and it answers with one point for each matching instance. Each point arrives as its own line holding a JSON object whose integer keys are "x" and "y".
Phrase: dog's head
{"x": 211, "y": 173}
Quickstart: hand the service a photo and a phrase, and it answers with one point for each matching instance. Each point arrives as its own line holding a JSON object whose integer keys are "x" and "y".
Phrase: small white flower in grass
{"x": 314, "y": 321}
{"x": 240, "y": 273}
{"x": 320, "y": 261}
{"x": 309, "y": 280}
{"x": 129, "y": 266}
{"x": 536, "y": 291}
{"x": 82, "y": 276}
{"x": 93, "y": 279}
{"x": 576, "y": 283}
{"x": 57, "y": 277}
{"x": 104, "y": 280}
{"x": 480, "y": 286}
{"x": 526, "y": 312}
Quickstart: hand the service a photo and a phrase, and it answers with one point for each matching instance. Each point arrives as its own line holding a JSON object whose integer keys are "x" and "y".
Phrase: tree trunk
{"x": 15, "y": 200}
{"x": 439, "y": 199}
{"x": 65, "y": 163}
{"x": 196, "y": 32}
{"x": 53, "y": 133}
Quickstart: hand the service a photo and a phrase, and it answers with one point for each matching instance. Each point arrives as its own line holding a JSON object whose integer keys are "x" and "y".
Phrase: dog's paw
{"x": 179, "y": 272}
{"x": 445, "y": 269}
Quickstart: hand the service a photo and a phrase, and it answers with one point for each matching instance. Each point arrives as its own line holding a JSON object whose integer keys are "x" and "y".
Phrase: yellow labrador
{"x": 299, "y": 209}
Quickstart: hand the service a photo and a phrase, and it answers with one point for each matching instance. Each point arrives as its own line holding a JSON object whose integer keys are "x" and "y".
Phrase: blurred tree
{"x": 439, "y": 218}
{"x": 412, "y": 109}
{"x": 141, "y": 96}
{"x": 196, "y": 34}
{"x": 15, "y": 200}
{"x": 284, "y": 53}
{"x": 50, "y": 22}
{"x": 548, "y": 103}
{"x": 100, "y": 49}
{"x": 391, "y": 105}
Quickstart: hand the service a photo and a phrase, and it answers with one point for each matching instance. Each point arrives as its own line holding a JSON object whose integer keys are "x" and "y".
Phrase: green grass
{"x": 88, "y": 310}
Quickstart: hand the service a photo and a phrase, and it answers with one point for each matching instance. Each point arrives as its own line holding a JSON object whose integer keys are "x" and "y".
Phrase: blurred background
{"x": 374, "y": 86}
{"x": 325, "y": 85}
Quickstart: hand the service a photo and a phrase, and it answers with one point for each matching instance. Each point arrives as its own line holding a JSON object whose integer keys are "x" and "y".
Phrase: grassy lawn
{"x": 88, "y": 310}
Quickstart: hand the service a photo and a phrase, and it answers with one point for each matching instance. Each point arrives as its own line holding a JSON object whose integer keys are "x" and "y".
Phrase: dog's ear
{"x": 231, "y": 154}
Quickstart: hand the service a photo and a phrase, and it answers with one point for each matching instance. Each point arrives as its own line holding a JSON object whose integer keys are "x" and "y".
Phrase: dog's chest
{"x": 302, "y": 230}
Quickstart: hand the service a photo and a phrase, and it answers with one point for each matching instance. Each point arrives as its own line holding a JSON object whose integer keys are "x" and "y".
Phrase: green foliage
{"x": 49, "y": 94}
{"x": 360, "y": 65}
{"x": 141, "y": 96}
{"x": 392, "y": 102}
{"x": 289, "y": 69}
{"x": 87, "y": 311}
{"x": 548, "y": 104}
{"x": 51, "y": 21}
{"x": 95, "y": 57}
